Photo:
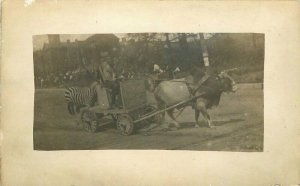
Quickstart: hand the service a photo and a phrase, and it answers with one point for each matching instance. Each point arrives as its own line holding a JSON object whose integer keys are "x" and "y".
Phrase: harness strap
{"x": 202, "y": 80}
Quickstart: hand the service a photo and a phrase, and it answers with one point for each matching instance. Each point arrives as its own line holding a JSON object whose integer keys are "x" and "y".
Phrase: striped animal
{"x": 78, "y": 97}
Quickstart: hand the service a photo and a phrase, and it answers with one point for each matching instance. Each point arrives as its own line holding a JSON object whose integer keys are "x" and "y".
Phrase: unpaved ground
{"x": 238, "y": 120}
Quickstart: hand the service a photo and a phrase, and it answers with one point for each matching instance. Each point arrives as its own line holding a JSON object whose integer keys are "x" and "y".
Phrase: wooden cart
{"x": 133, "y": 109}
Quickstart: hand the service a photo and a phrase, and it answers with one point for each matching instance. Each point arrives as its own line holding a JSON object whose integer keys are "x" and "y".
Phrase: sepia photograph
{"x": 149, "y": 91}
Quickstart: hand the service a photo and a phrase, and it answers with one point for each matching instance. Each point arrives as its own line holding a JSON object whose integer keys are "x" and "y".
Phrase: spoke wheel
{"x": 125, "y": 124}
{"x": 89, "y": 121}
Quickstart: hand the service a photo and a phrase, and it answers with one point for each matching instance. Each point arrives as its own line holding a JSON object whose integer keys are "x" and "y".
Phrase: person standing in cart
{"x": 108, "y": 78}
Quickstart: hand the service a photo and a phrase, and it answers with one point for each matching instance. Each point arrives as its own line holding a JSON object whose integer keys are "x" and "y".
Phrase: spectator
{"x": 157, "y": 69}
{"x": 175, "y": 71}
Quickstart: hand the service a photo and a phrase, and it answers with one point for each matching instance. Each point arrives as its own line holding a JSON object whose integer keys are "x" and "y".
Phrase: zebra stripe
{"x": 80, "y": 97}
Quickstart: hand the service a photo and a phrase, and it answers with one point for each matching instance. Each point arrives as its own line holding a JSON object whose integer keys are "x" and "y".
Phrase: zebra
{"x": 78, "y": 97}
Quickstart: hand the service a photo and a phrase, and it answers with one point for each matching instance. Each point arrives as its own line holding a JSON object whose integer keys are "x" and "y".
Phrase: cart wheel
{"x": 89, "y": 121}
{"x": 125, "y": 124}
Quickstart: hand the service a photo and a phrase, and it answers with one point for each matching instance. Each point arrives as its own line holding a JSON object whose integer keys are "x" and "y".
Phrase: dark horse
{"x": 207, "y": 93}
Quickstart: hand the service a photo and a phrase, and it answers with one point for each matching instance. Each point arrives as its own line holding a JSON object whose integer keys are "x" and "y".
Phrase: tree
{"x": 204, "y": 50}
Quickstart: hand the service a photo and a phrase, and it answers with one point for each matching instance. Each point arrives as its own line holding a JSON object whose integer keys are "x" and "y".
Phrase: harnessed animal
{"x": 207, "y": 92}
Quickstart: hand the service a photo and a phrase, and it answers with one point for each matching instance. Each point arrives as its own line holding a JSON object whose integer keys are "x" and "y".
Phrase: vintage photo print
{"x": 170, "y": 91}
{"x": 150, "y": 93}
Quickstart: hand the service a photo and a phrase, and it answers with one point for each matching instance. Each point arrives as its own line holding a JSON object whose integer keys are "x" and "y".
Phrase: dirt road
{"x": 238, "y": 120}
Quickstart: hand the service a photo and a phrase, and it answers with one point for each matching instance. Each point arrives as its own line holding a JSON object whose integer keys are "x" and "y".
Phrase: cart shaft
{"x": 147, "y": 116}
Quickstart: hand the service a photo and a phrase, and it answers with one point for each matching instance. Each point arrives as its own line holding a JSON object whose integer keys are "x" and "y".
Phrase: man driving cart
{"x": 107, "y": 76}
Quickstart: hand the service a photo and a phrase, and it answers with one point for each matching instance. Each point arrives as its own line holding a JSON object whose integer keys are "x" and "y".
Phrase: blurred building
{"x": 59, "y": 57}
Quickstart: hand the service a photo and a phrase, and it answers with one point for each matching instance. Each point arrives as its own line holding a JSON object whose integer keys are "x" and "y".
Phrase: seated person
{"x": 107, "y": 76}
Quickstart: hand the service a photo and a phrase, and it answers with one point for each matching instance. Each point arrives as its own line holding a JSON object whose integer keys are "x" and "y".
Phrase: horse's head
{"x": 228, "y": 83}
